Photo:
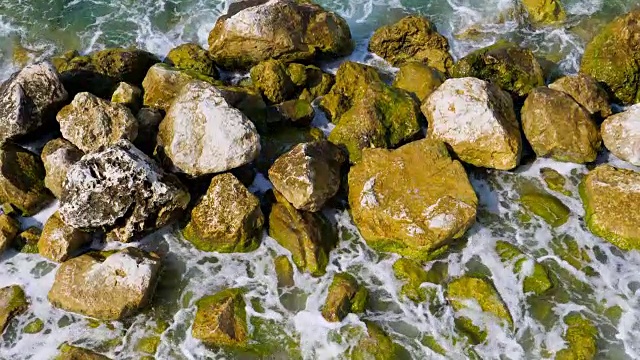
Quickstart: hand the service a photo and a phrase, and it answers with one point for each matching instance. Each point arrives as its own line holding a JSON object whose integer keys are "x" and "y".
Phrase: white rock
{"x": 621, "y": 135}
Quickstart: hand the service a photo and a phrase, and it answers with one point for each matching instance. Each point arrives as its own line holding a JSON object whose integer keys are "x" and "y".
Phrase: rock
{"x": 419, "y": 79}
{"x": 221, "y": 320}
{"x": 558, "y": 127}
{"x": 611, "y": 58}
{"x": 315, "y": 81}
{"x": 289, "y": 30}
{"x": 413, "y": 38}
{"x": 249, "y": 102}
{"x": 9, "y": 228}
{"x": 202, "y": 134}
{"x": 58, "y": 241}
{"x": 22, "y": 180}
{"x": 308, "y": 236}
{"x": 34, "y": 327}
{"x": 29, "y": 100}
{"x": 621, "y": 135}
{"x": 13, "y": 302}
{"x": 308, "y": 175}
{"x": 345, "y": 296}
{"x": 163, "y": 83}
{"x": 284, "y": 271}
{"x": 27, "y": 241}
{"x": 128, "y": 95}
{"x": 69, "y": 352}
{"x": 537, "y": 280}
{"x": 227, "y": 219}
{"x": 271, "y": 78}
{"x": 477, "y": 121}
{"x": 106, "y": 286}
{"x": 544, "y": 12}
{"x": 505, "y": 64}
{"x": 407, "y": 209}
{"x": 58, "y": 155}
{"x": 91, "y": 123}
{"x": 148, "y": 123}
{"x": 275, "y": 144}
{"x": 413, "y": 275}
{"x": 122, "y": 191}
{"x": 192, "y": 57}
{"x": 296, "y": 112}
{"x": 555, "y": 181}
{"x": 581, "y": 337}
{"x": 608, "y": 194}
{"x": 375, "y": 345}
{"x": 539, "y": 202}
{"x": 587, "y": 92}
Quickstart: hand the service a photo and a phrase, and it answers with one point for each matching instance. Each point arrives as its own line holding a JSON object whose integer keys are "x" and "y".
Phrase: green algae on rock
{"x": 419, "y": 79}
{"x": 128, "y": 95}
{"x": 60, "y": 241}
{"x": 272, "y": 79}
{"x": 537, "y": 281}
{"x": 555, "y": 181}
{"x": 192, "y": 57}
{"x": 609, "y": 194}
{"x": 539, "y": 202}
{"x": 277, "y": 143}
{"x": 27, "y": 241}
{"x": 544, "y": 12}
{"x": 375, "y": 344}
{"x": 580, "y": 336}
{"x": 345, "y": 296}
{"x": 13, "y": 302}
{"x": 284, "y": 270}
{"x": 587, "y": 92}
{"x": 148, "y": 345}
{"x": 567, "y": 248}
{"x": 298, "y": 112}
{"x": 9, "y": 228}
{"x": 69, "y": 352}
{"x": 34, "y": 327}
{"x": 414, "y": 275}
{"x": 221, "y": 320}
{"x": 57, "y": 156}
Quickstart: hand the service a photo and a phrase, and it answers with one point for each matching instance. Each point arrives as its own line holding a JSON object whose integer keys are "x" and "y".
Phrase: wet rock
{"x": 128, "y": 95}
{"x": 27, "y": 241}
{"x": 69, "y": 352}
{"x": 22, "y": 180}
{"x": 580, "y": 336}
{"x": 227, "y": 219}
{"x": 58, "y": 241}
{"x": 9, "y": 228}
{"x": 413, "y": 38}
{"x": 345, "y": 296}
{"x": 539, "y": 202}
{"x": 163, "y": 83}
{"x": 296, "y": 112}
{"x": 538, "y": 281}
{"x": 312, "y": 79}
{"x": 58, "y": 155}
{"x": 555, "y": 181}
{"x": 544, "y": 12}
{"x": 419, "y": 79}
{"x": 375, "y": 344}
{"x": 91, "y": 123}
{"x": 308, "y": 175}
{"x": 271, "y": 78}
{"x": 29, "y": 100}
{"x": 106, "y": 286}
{"x": 122, "y": 191}
{"x": 586, "y": 91}
{"x": 34, "y": 327}
{"x": 413, "y": 275}
{"x": 608, "y": 195}
{"x": 192, "y": 57}
{"x": 284, "y": 271}
{"x": 13, "y": 302}
{"x": 148, "y": 123}
{"x": 611, "y": 58}
{"x": 275, "y": 144}
{"x": 202, "y": 134}
{"x": 253, "y": 31}
{"x": 477, "y": 120}
{"x": 408, "y": 209}
{"x": 621, "y": 135}
{"x": 505, "y": 64}
{"x": 308, "y": 236}
{"x": 558, "y": 127}
{"x": 221, "y": 320}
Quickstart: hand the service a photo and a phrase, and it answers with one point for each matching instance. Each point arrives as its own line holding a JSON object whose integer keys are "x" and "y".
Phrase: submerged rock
{"x": 192, "y": 57}
{"x": 289, "y": 30}
{"x": 412, "y": 200}
{"x": 413, "y": 38}
{"x": 544, "y": 12}
{"x": 27, "y": 241}
{"x": 273, "y": 81}
{"x": 58, "y": 155}
{"x": 586, "y": 91}
{"x": 59, "y": 241}
{"x": 621, "y": 135}
{"x": 581, "y": 337}
{"x": 419, "y": 79}
{"x": 91, "y": 123}
{"x": 203, "y": 134}
{"x": 69, "y": 352}
{"x": 375, "y": 345}
{"x": 538, "y": 280}
{"x": 227, "y": 219}
{"x": 13, "y": 302}
{"x": 9, "y": 228}
{"x": 539, "y": 202}
{"x": 29, "y": 100}
{"x": 415, "y": 275}
{"x": 221, "y": 320}
{"x": 123, "y": 191}
{"x": 345, "y": 296}
{"x": 106, "y": 286}
{"x": 128, "y": 95}
{"x": 555, "y": 181}
{"x": 284, "y": 271}
{"x": 477, "y": 120}
{"x": 609, "y": 195}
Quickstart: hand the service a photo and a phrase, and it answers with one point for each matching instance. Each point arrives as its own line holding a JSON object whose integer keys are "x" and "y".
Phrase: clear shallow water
{"x": 46, "y": 27}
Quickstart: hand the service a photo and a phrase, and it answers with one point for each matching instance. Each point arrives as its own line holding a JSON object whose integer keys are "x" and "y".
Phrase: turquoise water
{"x": 43, "y": 28}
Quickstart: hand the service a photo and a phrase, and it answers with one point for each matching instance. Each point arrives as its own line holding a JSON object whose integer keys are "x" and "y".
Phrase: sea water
{"x": 31, "y": 30}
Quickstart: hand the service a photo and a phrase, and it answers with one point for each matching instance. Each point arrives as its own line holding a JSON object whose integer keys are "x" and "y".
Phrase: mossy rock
{"x": 345, "y": 296}
{"x": 148, "y": 345}
{"x": 297, "y": 112}
{"x": 163, "y": 83}
{"x": 9, "y": 228}
{"x": 221, "y": 320}
{"x": 282, "y": 139}
{"x": 538, "y": 282}
{"x": 568, "y": 249}
{"x": 414, "y": 275}
{"x": 555, "y": 181}
{"x": 70, "y": 352}
{"x": 13, "y": 302}
{"x": 375, "y": 344}
{"x": 581, "y": 336}
{"x": 272, "y": 79}
{"x": 34, "y": 327}
{"x": 548, "y": 207}
{"x": 545, "y": 12}
{"x": 27, "y": 241}
{"x": 192, "y": 57}
{"x": 284, "y": 271}
{"x": 419, "y": 79}
{"x": 270, "y": 340}
{"x": 128, "y": 95}
{"x": 249, "y": 102}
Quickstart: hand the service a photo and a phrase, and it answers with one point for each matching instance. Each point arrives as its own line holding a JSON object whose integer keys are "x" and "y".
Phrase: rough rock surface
{"x": 58, "y": 155}
{"x": 163, "y": 83}
{"x": 275, "y": 144}
{"x": 29, "y": 100}
{"x": 27, "y": 241}
{"x": 412, "y": 200}
{"x": 558, "y": 127}
{"x": 345, "y": 296}
{"x": 586, "y": 91}
{"x": 297, "y": 112}
{"x": 9, "y": 228}
{"x": 192, "y": 57}
{"x": 202, "y": 134}
{"x": 221, "y": 320}
{"x": 419, "y": 79}
{"x": 544, "y": 12}
{"x": 609, "y": 195}
{"x": 253, "y": 31}
{"x": 621, "y": 135}
{"x": 69, "y": 352}
{"x": 273, "y": 81}
{"x": 127, "y": 95}
{"x": 477, "y": 120}
{"x": 581, "y": 337}
{"x": 375, "y": 344}
{"x": 122, "y": 190}
{"x": 91, "y": 123}
{"x": 413, "y": 38}
{"x": 59, "y": 241}
{"x": 13, "y": 302}
{"x": 227, "y": 219}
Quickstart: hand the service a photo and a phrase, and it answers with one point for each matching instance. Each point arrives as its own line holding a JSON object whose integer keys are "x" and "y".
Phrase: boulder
{"x": 407, "y": 209}
{"x": 271, "y": 78}
{"x": 29, "y": 100}
{"x": 27, "y": 241}
{"x": 512, "y": 68}
{"x": 375, "y": 344}
{"x": 608, "y": 195}
{"x": 69, "y": 352}
{"x": 536, "y": 279}
{"x": 22, "y": 180}
{"x": 345, "y": 296}
{"x": 284, "y": 271}
{"x": 148, "y": 123}
{"x": 587, "y": 92}
{"x": 413, "y": 38}
{"x": 58, "y": 155}
{"x": 311, "y": 79}
{"x": 202, "y": 134}
{"x": 581, "y": 338}
{"x": 558, "y": 127}
{"x": 106, "y": 286}
{"x": 192, "y": 57}
{"x": 221, "y": 320}
{"x": 163, "y": 83}
{"x": 289, "y": 30}
{"x": 477, "y": 121}
{"x": 621, "y": 135}
{"x": 249, "y": 102}
{"x": 611, "y": 58}
{"x": 9, "y": 228}
{"x": 277, "y": 143}
{"x": 128, "y": 95}
{"x": 13, "y": 302}
{"x": 297, "y": 112}
{"x": 91, "y": 123}
{"x": 227, "y": 219}
{"x": 122, "y": 191}
{"x": 59, "y": 241}
{"x": 419, "y": 79}
{"x": 544, "y": 12}
{"x": 308, "y": 175}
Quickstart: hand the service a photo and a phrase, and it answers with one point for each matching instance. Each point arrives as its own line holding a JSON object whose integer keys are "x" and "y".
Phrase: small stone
{"x": 271, "y": 78}
{"x": 13, "y": 302}
{"x": 586, "y": 91}
{"x": 284, "y": 271}
{"x": 69, "y": 352}
{"x": 59, "y": 241}
{"x": 58, "y": 155}
{"x": 345, "y": 296}
{"x": 27, "y": 241}
{"x": 555, "y": 181}
{"x": 33, "y": 327}
{"x": 9, "y": 228}
{"x": 192, "y": 57}
{"x": 221, "y": 320}
{"x": 419, "y": 79}
{"x": 621, "y": 135}
{"x": 128, "y": 95}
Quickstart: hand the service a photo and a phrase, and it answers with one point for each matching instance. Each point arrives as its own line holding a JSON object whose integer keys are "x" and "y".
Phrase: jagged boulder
{"x": 587, "y": 92}
{"x": 9, "y": 228}
{"x": 621, "y": 134}
{"x": 192, "y": 57}
{"x": 59, "y": 241}
{"x": 58, "y": 155}
{"x": 163, "y": 83}
{"x": 275, "y": 144}
{"x": 221, "y": 320}
{"x": 345, "y": 296}
{"x": 419, "y": 79}
{"x": 13, "y": 302}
